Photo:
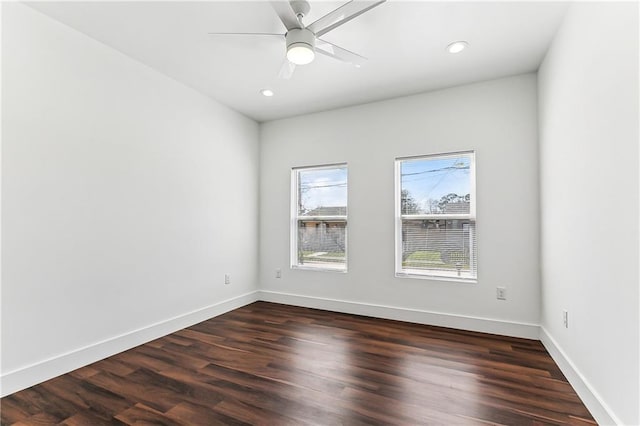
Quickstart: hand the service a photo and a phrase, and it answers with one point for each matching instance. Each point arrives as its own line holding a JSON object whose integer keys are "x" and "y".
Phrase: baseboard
{"x": 462, "y": 322}
{"x": 33, "y": 374}
{"x": 594, "y": 403}
{"x": 30, "y": 375}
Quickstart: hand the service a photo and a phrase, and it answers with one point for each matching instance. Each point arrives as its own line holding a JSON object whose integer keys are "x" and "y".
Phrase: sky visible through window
{"x": 322, "y": 188}
{"x": 425, "y": 179}
{"x": 433, "y": 178}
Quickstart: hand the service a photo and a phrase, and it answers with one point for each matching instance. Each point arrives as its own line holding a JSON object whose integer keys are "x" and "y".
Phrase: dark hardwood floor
{"x": 273, "y": 364}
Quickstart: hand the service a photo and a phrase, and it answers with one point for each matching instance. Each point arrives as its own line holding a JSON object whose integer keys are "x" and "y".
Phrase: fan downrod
{"x": 300, "y": 8}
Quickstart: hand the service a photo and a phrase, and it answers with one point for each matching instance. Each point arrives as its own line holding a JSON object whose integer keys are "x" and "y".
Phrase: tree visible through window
{"x": 319, "y": 217}
{"x": 435, "y": 216}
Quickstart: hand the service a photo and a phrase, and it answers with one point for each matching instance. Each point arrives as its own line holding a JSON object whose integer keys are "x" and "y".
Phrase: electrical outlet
{"x": 227, "y": 278}
{"x": 501, "y": 293}
{"x": 278, "y": 273}
{"x": 565, "y": 318}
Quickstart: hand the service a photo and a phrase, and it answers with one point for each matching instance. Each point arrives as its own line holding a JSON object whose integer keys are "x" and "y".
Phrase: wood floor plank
{"x": 84, "y": 418}
{"x": 267, "y": 364}
{"x": 196, "y": 414}
{"x": 140, "y": 414}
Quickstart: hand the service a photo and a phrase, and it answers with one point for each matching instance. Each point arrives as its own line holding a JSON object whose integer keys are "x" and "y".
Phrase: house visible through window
{"x": 319, "y": 217}
{"x": 436, "y": 216}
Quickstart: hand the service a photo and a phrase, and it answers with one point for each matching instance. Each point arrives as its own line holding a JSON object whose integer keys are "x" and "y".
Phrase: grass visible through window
{"x": 430, "y": 259}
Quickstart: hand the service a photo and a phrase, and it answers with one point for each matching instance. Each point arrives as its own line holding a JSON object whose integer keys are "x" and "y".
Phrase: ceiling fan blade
{"x": 337, "y": 52}
{"x": 246, "y": 34}
{"x": 287, "y": 69}
{"x": 342, "y": 15}
{"x": 286, "y": 14}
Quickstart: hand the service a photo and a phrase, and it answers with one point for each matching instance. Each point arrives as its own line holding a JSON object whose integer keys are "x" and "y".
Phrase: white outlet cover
{"x": 501, "y": 293}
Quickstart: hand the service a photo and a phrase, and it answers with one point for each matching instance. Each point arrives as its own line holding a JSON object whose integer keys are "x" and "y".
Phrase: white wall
{"x": 588, "y": 91}
{"x": 496, "y": 118}
{"x": 126, "y": 197}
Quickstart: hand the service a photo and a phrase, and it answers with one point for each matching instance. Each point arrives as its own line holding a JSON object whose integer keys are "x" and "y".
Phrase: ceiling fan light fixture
{"x": 300, "y": 46}
{"x": 457, "y": 46}
{"x": 300, "y": 53}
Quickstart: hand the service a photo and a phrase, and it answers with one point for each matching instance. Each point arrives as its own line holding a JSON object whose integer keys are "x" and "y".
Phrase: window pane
{"x": 322, "y": 243}
{"x": 322, "y": 192}
{"x": 443, "y": 247}
{"x": 438, "y": 185}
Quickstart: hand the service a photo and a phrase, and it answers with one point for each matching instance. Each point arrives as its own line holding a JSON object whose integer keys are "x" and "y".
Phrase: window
{"x": 319, "y": 217}
{"x": 436, "y": 216}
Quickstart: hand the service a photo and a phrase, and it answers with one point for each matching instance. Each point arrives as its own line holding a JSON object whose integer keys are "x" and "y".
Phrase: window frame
{"x": 400, "y": 271}
{"x": 295, "y": 217}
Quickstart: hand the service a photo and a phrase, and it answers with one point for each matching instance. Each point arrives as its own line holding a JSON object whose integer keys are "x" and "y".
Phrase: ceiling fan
{"x": 303, "y": 41}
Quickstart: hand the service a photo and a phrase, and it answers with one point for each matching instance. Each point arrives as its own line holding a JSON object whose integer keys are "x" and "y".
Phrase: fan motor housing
{"x": 300, "y": 36}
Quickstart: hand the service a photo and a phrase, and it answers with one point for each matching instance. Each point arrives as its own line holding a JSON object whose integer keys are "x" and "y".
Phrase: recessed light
{"x": 457, "y": 46}
{"x": 266, "y": 92}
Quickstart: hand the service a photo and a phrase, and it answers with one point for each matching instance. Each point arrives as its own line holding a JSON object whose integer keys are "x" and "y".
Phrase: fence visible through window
{"x": 435, "y": 216}
{"x": 319, "y": 217}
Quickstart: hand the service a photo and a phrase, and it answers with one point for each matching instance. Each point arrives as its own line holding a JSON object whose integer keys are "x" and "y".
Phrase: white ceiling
{"x": 404, "y": 40}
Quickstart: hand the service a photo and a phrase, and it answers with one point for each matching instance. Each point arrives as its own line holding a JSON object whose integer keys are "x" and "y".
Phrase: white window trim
{"x": 401, "y": 272}
{"x": 293, "y": 225}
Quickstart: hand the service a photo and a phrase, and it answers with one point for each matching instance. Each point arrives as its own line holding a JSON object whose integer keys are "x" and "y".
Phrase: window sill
{"x": 319, "y": 269}
{"x": 423, "y": 276}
